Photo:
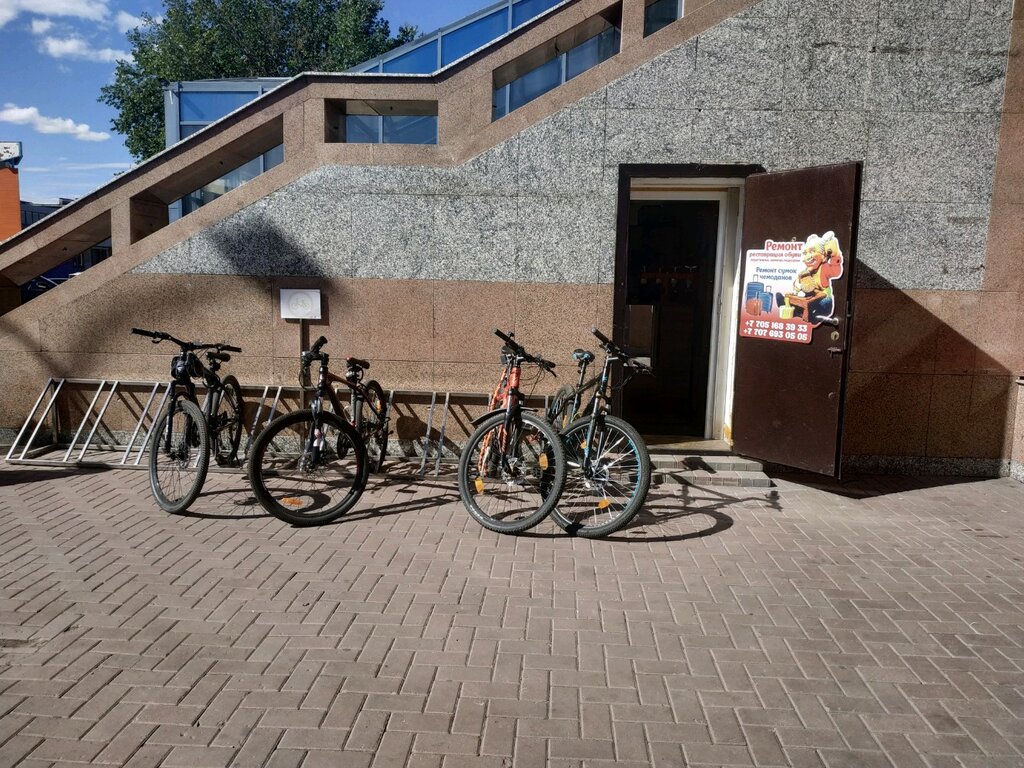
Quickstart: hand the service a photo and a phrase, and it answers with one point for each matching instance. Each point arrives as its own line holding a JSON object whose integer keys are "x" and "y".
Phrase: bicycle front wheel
{"x": 603, "y": 497}
{"x": 510, "y": 482}
{"x": 179, "y": 456}
{"x": 226, "y": 426}
{"x": 306, "y": 481}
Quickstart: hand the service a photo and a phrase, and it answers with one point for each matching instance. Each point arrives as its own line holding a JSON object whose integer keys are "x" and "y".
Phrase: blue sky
{"x": 59, "y": 53}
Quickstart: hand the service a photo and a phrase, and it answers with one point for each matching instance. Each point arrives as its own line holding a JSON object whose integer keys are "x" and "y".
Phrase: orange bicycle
{"x": 512, "y": 468}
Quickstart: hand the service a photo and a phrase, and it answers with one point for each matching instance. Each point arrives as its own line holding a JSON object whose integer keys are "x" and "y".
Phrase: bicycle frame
{"x": 598, "y": 409}
{"x": 314, "y": 441}
{"x": 187, "y": 389}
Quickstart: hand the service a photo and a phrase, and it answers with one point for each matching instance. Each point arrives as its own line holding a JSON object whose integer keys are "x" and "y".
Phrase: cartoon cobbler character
{"x": 811, "y": 297}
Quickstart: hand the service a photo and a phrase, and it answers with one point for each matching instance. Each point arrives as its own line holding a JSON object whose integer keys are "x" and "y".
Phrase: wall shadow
{"x": 931, "y": 385}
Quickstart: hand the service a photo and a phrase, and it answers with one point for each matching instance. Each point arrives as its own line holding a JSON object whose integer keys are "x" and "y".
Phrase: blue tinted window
{"x": 477, "y": 34}
{"x": 221, "y": 186}
{"x": 188, "y": 130}
{"x": 362, "y": 129}
{"x": 212, "y": 105}
{"x": 591, "y": 53}
{"x": 499, "y": 105}
{"x": 660, "y": 14}
{"x": 548, "y": 76}
{"x": 525, "y": 10}
{"x": 535, "y": 83}
{"x": 273, "y": 157}
{"x": 418, "y": 61}
{"x": 410, "y": 129}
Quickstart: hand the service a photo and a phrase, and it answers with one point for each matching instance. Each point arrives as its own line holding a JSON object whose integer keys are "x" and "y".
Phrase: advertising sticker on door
{"x": 788, "y": 288}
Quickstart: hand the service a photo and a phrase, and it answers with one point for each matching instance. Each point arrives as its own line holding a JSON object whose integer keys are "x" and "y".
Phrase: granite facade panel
{"x": 913, "y": 89}
{"x": 931, "y": 157}
{"x": 739, "y": 66}
{"x": 922, "y": 245}
{"x": 557, "y": 241}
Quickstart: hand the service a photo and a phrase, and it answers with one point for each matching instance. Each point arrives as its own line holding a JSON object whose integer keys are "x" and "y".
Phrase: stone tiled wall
{"x": 914, "y": 90}
{"x": 420, "y": 335}
{"x": 1017, "y": 452}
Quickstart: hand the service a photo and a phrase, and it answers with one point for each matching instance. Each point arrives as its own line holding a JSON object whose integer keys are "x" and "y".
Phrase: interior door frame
{"x": 690, "y": 178}
{"x": 713, "y": 192}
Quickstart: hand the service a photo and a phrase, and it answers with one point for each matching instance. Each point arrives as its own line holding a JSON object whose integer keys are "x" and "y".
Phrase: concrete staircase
{"x": 707, "y": 470}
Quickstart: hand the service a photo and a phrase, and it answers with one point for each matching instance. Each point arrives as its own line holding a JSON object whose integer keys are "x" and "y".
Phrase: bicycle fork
{"x": 316, "y": 440}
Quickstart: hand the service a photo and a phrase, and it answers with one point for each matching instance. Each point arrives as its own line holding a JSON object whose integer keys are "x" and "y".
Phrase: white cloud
{"x": 125, "y": 21}
{"x": 77, "y": 48}
{"x": 64, "y": 168}
{"x": 40, "y": 26}
{"x": 12, "y": 113}
{"x": 97, "y": 166}
{"x": 93, "y": 10}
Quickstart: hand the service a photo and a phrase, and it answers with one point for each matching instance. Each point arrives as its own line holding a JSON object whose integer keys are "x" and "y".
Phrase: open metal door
{"x": 794, "y": 326}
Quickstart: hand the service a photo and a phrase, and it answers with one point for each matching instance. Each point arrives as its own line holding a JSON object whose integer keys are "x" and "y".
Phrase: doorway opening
{"x": 676, "y": 287}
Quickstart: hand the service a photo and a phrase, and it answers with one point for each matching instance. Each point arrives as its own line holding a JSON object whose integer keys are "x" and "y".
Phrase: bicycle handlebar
{"x": 314, "y": 351}
{"x": 149, "y": 334}
{"x": 615, "y": 350}
{"x": 520, "y": 351}
{"x": 186, "y": 346}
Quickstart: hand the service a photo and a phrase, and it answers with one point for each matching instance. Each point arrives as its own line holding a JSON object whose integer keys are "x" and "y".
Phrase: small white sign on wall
{"x": 300, "y": 304}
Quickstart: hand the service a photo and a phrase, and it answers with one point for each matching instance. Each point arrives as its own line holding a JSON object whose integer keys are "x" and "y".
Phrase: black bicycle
{"x": 309, "y": 467}
{"x": 609, "y": 467}
{"x": 368, "y": 411}
{"x": 512, "y": 468}
{"x": 179, "y": 451}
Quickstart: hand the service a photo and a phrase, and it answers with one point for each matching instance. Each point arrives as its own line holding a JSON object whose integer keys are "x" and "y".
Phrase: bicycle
{"x": 609, "y": 467}
{"x": 512, "y": 468}
{"x": 309, "y": 467}
{"x": 368, "y": 411}
{"x": 179, "y": 455}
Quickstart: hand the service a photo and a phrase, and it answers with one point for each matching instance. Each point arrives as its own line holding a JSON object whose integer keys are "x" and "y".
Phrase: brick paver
{"x": 881, "y": 625}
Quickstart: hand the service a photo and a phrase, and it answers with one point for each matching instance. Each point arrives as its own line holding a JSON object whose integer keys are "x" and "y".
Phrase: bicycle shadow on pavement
{"x": 239, "y": 498}
{"x": 684, "y": 511}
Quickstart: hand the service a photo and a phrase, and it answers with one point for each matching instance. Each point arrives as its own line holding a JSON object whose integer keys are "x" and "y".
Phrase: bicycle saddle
{"x": 355, "y": 362}
{"x": 220, "y": 357}
{"x": 583, "y": 356}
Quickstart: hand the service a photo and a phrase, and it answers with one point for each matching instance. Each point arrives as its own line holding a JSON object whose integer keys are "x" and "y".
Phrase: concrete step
{"x": 708, "y": 470}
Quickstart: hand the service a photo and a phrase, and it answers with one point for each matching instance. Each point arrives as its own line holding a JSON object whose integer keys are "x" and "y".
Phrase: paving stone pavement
{"x": 880, "y": 623}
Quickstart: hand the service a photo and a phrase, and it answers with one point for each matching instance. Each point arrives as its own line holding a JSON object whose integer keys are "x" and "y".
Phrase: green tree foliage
{"x": 207, "y": 39}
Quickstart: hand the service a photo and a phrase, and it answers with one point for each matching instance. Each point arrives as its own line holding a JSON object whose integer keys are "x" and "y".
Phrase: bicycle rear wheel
{"x": 179, "y": 456}
{"x": 509, "y": 483}
{"x": 305, "y": 487}
{"x": 226, "y": 427}
{"x": 604, "y": 499}
{"x": 373, "y": 425}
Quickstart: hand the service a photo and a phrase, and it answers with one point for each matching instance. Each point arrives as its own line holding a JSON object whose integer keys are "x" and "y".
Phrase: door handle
{"x": 835, "y": 351}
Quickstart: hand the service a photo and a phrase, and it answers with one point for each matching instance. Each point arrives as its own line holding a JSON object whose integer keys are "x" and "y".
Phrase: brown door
{"x": 795, "y": 285}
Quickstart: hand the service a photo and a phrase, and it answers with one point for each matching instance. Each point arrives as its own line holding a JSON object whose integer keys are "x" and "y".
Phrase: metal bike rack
{"x": 39, "y": 439}
{"x": 94, "y": 450}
